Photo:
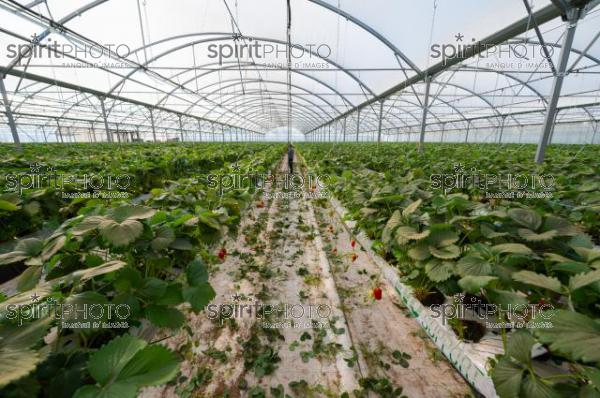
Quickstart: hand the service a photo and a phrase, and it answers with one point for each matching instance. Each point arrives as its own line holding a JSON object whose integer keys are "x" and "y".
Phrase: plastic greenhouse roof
{"x": 177, "y": 60}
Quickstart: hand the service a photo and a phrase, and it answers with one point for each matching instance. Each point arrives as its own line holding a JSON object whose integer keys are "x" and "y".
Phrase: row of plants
{"x": 133, "y": 169}
{"x": 80, "y": 318}
{"x": 467, "y": 243}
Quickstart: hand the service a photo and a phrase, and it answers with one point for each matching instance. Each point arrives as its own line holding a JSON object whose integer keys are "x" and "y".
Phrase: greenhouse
{"x": 299, "y": 198}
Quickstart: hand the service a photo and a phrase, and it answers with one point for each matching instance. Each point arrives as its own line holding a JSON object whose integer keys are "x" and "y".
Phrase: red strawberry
{"x": 222, "y": 253}
{"x": 334, "y": 250}
{"x": 354, "y": 257}
{"x": 377, "y": 293}
{"x": 260, "y": 204}
{"x": 353, "y": 243}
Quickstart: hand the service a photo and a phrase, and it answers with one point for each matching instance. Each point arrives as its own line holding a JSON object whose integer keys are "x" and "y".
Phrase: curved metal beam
{"x": 370, "y": 30}
{"x": 250, "y": 101}
{"x": 223, "y": 36}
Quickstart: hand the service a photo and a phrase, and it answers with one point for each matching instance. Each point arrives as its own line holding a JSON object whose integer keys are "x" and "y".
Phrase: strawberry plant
{"x": 151, "y": 257}
{"x": 520, "y": 251}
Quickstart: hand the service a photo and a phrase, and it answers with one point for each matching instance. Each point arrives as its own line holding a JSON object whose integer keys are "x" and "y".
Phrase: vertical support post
{"x": 46, "y": 138}
{"x": 357, "y": 123}
{"x": 181, "y": 128}
{"x": 521, "y": 133}
{"x": 108, "y": 136}
{"x": 380, "y": 121}
{"x": 223, "y": 132}
{"x": 9, "y": 115}
{"x": 344, "y": 131}
{"x": 573, "y": 16}
{"x": 200, "y": 128}
{"x": 329, "y": 133}
{"x": 137, "y": 133}
{"x": 152, "y": 124}
{"x": 443, "y": 131}
{"x": 93, "y": 131}
{"x": 425, "y": 111}
{"x": 501, "y": 129}
{"x": 59, "y": 138}
{"x": 468, "y": 128}
{"x": 595, "y": 131}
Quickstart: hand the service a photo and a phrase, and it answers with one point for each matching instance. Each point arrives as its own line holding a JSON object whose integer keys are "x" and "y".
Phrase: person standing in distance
{"x": 290, "y": 158}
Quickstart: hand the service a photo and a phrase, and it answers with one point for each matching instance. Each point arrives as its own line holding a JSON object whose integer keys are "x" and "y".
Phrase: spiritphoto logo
{"x": 272, "y": 316}
{"x": 71, "y": 315}
{"x": 515, "y": 54}
{"x": 45, "y": 48}
{"x": 71, "y": 186}
{"x": 498, "y": 186}
{"x": 494, "y": 316}
{"x": 273, "y": 184}
{"x": 248, "y": 48}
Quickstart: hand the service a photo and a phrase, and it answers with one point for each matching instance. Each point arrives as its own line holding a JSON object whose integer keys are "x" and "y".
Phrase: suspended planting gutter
{"x": 540, "y": 17}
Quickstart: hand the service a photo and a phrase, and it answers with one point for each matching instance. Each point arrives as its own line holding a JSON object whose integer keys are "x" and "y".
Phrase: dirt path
{"x": 323, "y": 334}
{"x": 389, "y": 342}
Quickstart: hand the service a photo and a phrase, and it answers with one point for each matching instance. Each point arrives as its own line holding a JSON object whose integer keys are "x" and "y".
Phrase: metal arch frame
{"x": 523, "y": 83}
{"x": 369, "y": 29}
{"x": 347, "y": 16}
{"x": 556, "y": 45}
{"x": 252, "y": 93}
{"x": 254, "y": 97}
{"x": 78, "y": 12}
{"x": 237, "y": 82}
{"x": 224, "y": 36}
{"x": 91, "y": 6}
{"x": 61, "y": 22}
{"x": 235, "y": 65}
{"x": 307, "y": 111}
{"x": 302, "y": 116}
{"x": 249, "y": 101}
{"x": 139, "y": 110}
{"x": 275, "y": 69}
{"x": 420, "y": 106}
{"x": 542, "y": 16}
{"x": 266, "y": 117}
{"x": 477, "y": 95}
{"x": 82, "y": 89}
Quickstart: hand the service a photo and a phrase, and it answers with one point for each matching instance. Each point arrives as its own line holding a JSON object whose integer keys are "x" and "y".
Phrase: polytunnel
{"x": 179, "y": 178}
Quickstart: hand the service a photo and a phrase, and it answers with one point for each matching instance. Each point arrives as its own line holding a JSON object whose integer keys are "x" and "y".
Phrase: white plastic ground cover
{"x": 469, "y": 359}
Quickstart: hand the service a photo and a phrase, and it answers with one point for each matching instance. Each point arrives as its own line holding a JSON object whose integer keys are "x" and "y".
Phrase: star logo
{"x": 35, "y": 168}
{"x": 34, "y": 297}
{"x": 237, "y": 36}
{"x": 236, "y": 297}
{"x": 458, "y": 168}
{"x": 236, "y": 167}
{"x": 35, "y": 39}
{"x": 459, "y": 37}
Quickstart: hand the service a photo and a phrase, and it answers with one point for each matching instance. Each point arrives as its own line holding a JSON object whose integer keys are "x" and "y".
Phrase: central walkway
{"x": 324, "y": 334}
